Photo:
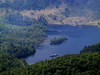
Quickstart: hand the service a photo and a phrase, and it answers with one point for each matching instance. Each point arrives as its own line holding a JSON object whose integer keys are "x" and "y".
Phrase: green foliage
{"x": 8, "y": 62}
{"x": 42, "y": 19}
{"x": 93, "y": 48}
{"x": 79, "y": 64}
{"x": 28, "y": 4}
{"x": 21, "y": 41}
{"x": 74, "y": 7}
{"x": 18, "y": 19}
{"x": 58, "y": 40}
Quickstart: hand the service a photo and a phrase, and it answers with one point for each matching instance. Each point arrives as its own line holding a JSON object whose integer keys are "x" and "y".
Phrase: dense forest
{"x": 8, "y": 62}
{"x": 28, "y": 4}
{"x": 58, "y": 40}
{"x": 87, "y": 63}
{"x": 20, "y": 35}
{"x": 42, "y": 4}
{"x": 21, "y": 41}
{"x": 18, "y": 19}
{"x": 79, "y": 64}
{"x": 92, "y": 48}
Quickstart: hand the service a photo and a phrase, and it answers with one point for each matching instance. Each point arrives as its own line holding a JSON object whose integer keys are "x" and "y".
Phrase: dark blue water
{"x": 78, "y": 37}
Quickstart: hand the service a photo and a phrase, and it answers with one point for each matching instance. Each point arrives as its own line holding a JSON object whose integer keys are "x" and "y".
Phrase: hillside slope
{"x": 56, "y": 11}
{"x": 8, "y": 62}
{"x": 80, "y": 64}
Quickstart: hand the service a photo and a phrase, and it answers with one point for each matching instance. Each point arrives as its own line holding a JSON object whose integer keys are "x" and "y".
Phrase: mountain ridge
{"x": 56, "y": 11}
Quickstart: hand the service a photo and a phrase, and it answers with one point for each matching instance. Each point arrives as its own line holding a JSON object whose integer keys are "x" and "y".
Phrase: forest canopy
{"x": 21, "y": 41}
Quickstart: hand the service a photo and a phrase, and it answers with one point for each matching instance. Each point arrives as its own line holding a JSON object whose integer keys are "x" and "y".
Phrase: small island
{"x": 58, "y": 40}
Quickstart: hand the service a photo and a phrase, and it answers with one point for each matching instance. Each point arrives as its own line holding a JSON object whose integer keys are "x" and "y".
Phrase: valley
{"x": 49, "y": 37}
{"x": 78, "y": 38}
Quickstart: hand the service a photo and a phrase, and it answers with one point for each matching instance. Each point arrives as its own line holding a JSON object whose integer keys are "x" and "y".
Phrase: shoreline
{"x": 74, "y": 25}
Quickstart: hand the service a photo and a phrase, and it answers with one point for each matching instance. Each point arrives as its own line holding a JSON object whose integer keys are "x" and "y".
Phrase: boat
{"x": 54, "y": 55}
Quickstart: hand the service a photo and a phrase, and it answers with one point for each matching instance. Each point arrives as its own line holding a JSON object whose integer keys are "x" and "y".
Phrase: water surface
{"x": 78, "y": 37}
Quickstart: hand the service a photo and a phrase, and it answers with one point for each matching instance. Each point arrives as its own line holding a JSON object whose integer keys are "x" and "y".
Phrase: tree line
{"x": 21, "y": 41}
{"x": 87, "y": 63}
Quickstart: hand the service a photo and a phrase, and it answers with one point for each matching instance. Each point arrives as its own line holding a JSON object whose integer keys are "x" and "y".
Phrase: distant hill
{"x": 55, "y": 11}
